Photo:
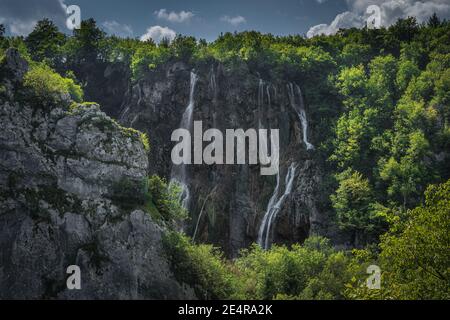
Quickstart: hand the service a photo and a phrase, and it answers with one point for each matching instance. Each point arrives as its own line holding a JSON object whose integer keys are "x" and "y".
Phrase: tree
{"x": 417, "y": 260}
{"x": 147, "y": 58}
{"x": 354, "y": 54}
{"x": 184, "y": 47}
{"x": 45, "y": 41}
{"x": 355, "y": 207}
{"x": 407, "y": 172}
{"x": 87, "y": 44}
{"x": 166, "y": 199}
{"x": 404, "y": 30}
{"x": 2, "y": 38}
{"x": 434, "y": 21}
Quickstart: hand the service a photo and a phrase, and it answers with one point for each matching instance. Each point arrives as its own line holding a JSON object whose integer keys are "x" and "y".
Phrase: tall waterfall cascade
{"x": 301, "y": 112}
{"x": 260, "y": 102}
{"x": 179, "y": 173}
{"x": 274, "y": 207}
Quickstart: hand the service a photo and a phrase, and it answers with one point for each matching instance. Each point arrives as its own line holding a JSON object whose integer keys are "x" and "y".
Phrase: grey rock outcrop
{"x": 60, "y": 172}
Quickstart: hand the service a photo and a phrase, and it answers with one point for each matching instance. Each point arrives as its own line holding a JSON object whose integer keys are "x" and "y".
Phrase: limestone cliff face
{"x": 60, "y": 172}
{"x": 229, "y": 201}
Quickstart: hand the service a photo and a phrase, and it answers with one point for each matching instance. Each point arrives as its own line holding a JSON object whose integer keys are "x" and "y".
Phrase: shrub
{"x": 310, "y": 271}
{"x": 165, "y": 197}
{"x": 148, "y": 58}
{"x": 47, "y": 86}
{"x": 145, "y": 141}
{"x": 203, "y": 267}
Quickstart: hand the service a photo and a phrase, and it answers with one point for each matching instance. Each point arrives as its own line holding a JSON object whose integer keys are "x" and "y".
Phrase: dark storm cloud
{"x": 20, "y": 16}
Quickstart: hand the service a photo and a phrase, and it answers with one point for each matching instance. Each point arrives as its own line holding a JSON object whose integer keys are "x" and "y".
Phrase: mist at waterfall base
{"x": 283, "y": 187}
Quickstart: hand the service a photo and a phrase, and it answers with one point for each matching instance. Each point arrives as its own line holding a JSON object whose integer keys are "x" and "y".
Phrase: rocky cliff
{"x": 64, "y": 176}
{"x": 229, "y": 202}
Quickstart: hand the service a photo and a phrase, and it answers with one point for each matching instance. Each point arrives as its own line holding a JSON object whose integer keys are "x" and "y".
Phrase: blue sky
{"x": 207, "y": 19}
{"x": 278, "y": 17}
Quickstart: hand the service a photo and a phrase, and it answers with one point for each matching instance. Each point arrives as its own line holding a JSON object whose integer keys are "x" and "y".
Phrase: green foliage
{"x": 147, "y": 58}
{"x": 311, "y": 271}
{"x": 203, "y": 267}
{"x": 45, "y": 42}
{"x": 415, "y": 259}
{"x": 391, "y": 124}
{"x": 354, "y": 54}
{"x": 48, "y": 87}
{"x": 418, "y": 259}
{"x": 355, "y": 206}
{"x": 145, "y": 141}
{"x": 165, "y": 197}
{"x": 405, "y": 174}
{"x": 184, "y": 47}
{"x": 87, "y": 44}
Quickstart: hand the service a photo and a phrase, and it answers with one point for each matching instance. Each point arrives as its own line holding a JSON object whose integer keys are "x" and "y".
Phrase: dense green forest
{"x": 380, "y": 100}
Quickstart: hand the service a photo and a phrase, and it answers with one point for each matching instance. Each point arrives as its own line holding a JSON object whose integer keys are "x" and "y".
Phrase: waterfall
{"x": 213, "y": 84}
{"x": 268, "y": 96}
{"x": 214, "y": 109}
{"x": 274, "y": 206}
{"x": 213, "y": 88}
{"x": 260, "y": 101}
{"x": 300, "y": 110}
{"x": 179, "y": 173}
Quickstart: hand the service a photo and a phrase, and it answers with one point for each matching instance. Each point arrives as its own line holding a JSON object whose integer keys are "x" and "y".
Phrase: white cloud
{"x": 157, "y": 33}
{"x": 342, "y": 21}
{"x": 20, "y": 16}
{"x": 391, "y": 11}
{"x": 321, "y": 1}
{"x": 178, "y": 17}
{"x": 21, "y": 27}
{"x": 234, "y": 21}
{"x": 118, "y": 29}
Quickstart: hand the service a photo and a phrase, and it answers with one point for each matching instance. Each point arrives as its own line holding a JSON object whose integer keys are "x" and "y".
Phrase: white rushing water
{"x": 274, "y": 207}
{"x": 260, "y": 102}
{"x": 300, "y": 110}
{"x": 212, "y": 83}
{"x": 213, "y": 88}
{"x": 179, "y": 173}
{"x": 269, "y": 100}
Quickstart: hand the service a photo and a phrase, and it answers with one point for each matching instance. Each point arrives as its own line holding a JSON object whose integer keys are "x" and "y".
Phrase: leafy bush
{"x": 311, "y": 271}
{"x": 203, "y": 267}
{"x": 415, "y": 256}
{"x": 165, "y": 197}
{"x": 147, "y": 58}
{"x": 47, "y": 86}
{"x": 356, "y": 208}
{"x": 145, "y": 141}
